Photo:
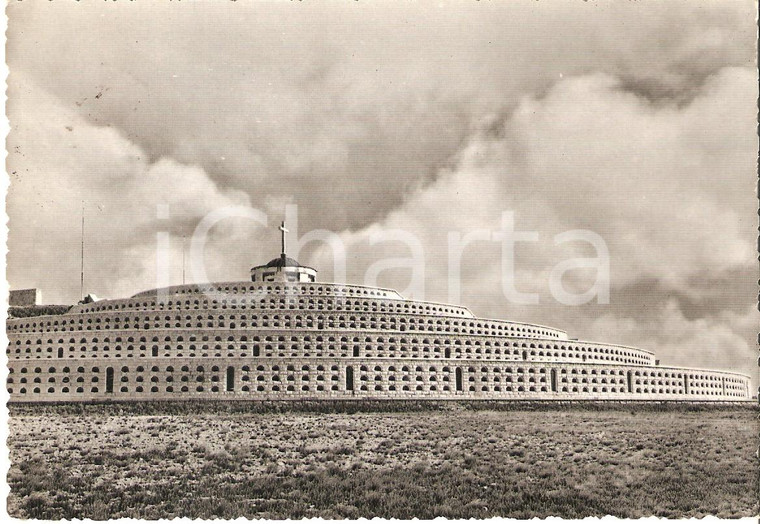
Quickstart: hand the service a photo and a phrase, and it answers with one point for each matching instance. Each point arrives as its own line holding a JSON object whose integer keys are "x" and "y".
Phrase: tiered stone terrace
{"x": 244, "y": 340}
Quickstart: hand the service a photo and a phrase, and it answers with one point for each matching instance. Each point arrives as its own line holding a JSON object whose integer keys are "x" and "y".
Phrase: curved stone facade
{"x": 252, "y": 340}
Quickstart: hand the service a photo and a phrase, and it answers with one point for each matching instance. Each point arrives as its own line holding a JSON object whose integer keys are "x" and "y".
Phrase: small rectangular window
{"x": 109, "y": 380}
{"x": 230, "y": 378}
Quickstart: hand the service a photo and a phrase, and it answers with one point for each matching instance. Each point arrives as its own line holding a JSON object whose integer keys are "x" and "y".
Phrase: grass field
{"x": 90, "y": 462}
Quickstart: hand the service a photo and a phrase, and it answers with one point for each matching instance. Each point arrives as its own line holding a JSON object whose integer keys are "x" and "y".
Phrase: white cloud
{"x": 351, "y": 105}
{"x": 61, "y": 160}
{"x": 588, "y": 155}
{"x": 708, "y": 343}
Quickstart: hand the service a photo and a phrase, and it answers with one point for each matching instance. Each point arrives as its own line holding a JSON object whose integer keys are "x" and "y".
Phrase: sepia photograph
{"x": 467, "y": 259}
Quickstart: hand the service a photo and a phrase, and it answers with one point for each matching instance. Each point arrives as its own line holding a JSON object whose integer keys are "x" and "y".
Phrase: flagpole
{"x": 183, "y": 260}
{"x": 81, "y": 258}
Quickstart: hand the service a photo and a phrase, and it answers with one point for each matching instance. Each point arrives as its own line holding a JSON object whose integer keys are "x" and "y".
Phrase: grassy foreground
{"x": 458, "y": 462}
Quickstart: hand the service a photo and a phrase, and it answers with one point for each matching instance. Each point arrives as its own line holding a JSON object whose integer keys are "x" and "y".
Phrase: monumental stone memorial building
{"x": 283, "y": 335}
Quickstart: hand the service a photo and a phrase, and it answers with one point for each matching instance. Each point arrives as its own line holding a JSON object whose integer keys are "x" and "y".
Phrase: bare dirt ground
{"x": 456, "y": 463}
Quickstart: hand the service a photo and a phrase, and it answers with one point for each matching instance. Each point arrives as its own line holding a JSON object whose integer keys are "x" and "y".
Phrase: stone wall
{"x": 305, "y": 343}
{"x": 276, "y": 318}
{"x": 268, "y": 378}
{"x": 243, "y": 341}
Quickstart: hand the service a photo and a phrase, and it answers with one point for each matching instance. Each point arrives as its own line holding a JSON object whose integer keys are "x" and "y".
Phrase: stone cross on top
{"x": 284, "y": 231}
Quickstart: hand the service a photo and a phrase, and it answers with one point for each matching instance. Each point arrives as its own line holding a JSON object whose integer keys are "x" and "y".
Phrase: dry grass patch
{"x": 458, "y": 464}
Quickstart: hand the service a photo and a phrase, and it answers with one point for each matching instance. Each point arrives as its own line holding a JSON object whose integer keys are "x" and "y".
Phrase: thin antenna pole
{"x": 183, "y": 260}
{"x": 81, "y": 258}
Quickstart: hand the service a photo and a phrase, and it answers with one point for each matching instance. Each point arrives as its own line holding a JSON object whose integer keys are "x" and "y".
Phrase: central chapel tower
{"x": 283, "y": 268}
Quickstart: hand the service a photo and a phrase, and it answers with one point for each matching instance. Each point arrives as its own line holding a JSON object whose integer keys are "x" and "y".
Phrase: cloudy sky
{"x": 634, "y": 120}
